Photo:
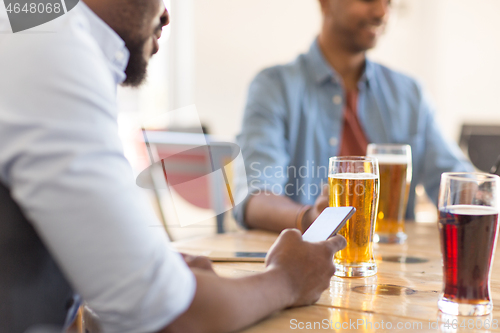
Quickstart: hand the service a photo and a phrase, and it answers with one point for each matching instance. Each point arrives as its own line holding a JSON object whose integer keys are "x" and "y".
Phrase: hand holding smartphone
{"x": 328, "y": 223}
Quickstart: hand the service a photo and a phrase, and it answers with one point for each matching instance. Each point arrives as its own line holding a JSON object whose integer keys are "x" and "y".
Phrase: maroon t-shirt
{"x": 353, "y": 141}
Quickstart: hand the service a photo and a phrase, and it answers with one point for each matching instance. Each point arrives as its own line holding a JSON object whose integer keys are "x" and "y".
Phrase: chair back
{"x": 33, "y": 291}
{"x": 482, "y": 144}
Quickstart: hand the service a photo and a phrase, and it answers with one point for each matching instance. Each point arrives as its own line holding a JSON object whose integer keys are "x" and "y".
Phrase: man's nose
{"x": 381, "y": 8}
{"x": 165, "y": 18}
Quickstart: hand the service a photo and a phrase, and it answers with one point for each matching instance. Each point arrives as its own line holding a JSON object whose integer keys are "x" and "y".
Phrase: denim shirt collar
{"x": 323, "y": 72}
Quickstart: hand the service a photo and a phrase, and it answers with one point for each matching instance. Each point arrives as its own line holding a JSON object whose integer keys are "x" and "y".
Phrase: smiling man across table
{"x": 333, "y": 101}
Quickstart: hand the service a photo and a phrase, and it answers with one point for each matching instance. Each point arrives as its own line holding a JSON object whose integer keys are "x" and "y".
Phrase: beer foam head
{"x": 348, "y": 175}
{"x": 391, "y": 159}
{"x": 471, "y": 210}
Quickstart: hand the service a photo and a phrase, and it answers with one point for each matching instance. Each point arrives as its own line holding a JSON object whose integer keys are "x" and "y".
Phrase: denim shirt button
{"x": 337, "y": 99}
{"x": 334, "y": 141}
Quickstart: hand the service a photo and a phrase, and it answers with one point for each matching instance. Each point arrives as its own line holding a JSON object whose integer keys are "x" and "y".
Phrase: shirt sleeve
{"x": 263, "y": 140}
{"x": 440, "y": 155}
{"x": 62, "y": 159}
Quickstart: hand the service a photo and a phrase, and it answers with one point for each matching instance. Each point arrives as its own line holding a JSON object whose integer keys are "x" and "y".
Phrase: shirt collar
{"x": 112, "y": 46}
{"x": 322, "y": 70}
{"x": 368, "y": 73}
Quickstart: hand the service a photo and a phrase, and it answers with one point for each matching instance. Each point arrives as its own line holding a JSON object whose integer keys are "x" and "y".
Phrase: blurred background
{"x": 214, "y": 48}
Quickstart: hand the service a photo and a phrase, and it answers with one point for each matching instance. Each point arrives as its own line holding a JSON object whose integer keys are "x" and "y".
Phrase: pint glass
{"x": 468, "y": 228}
{"x": 395, "y": 178}
{"x": 354, "y": 181}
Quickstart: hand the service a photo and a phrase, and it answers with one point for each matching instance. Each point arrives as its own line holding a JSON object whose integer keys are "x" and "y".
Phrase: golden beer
{"x": 394, "y": 190}
{"x": 395, "y": 178}
{"x": 359, "y": 190}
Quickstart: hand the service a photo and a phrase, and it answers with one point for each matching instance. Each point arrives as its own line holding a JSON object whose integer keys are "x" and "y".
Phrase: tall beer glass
{"x": 354, "y": 181}
{"x": 394, "y": 161}
{"x": 468, "y": 228}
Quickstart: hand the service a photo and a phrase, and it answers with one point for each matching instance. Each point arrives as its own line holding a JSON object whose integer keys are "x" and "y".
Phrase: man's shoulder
{"x": 65, "y": 52}
{"x": 292, "y": 73}
{"x": 297, "y": 73}
{"x": 394, "y": 78}
{"x": 58, "y": 71}
{"x": 65, "y": 40}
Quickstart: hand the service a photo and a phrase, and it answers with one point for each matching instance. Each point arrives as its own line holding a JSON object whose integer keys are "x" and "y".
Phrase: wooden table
{"x": 404, "y": 292}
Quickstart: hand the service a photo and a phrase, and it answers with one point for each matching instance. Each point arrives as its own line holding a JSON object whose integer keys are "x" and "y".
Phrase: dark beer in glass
{"x": 468, "y": 228}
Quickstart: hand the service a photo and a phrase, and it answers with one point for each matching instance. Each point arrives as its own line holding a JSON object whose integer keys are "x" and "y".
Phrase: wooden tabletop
{"x": 401, "y": 297}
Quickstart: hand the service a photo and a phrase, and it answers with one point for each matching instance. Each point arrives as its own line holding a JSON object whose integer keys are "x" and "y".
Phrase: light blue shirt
{"x": 293, "y": 124}
{"x": 63, "y": 161}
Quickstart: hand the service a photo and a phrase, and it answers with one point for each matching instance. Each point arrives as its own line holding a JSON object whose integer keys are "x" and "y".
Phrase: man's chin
{"x": 136, "y": 74}
{"x": 366, "y": 45}
{"x": 370, "y": 46}
{"x": 136, "y": 82}
{"x": 137, "y": 65}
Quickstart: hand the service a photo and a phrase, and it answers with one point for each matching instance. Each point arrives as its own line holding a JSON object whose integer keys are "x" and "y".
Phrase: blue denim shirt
{"x": 293, "y": 123}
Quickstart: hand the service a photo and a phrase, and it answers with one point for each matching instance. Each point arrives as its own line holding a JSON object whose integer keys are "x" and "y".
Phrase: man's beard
{"x": 137, "y": 66}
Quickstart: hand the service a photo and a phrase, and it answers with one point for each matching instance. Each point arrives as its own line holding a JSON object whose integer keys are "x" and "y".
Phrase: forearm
{"x": 271, "y": 212}
{"x": 226, "y": 305}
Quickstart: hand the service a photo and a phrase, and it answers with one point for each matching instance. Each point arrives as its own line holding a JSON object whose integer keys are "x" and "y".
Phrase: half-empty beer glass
{"x": 354, "y": 181}
{"x": 468, "y": 229}
{"x": 394, "y": 161}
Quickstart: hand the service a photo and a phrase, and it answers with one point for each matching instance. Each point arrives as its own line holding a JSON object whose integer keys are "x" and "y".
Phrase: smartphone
{"x": 328, "y": 223}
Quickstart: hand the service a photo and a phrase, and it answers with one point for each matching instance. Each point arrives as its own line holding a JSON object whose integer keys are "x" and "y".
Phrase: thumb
{"x": 336, "y": 243}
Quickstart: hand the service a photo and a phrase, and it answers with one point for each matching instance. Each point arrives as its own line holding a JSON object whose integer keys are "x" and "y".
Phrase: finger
{"x": 200, "y": 262}
{"x": 287, "y": 238}
{"x": 291, "y": 233}
{"x": 336, "y": 243}
{"x": 287, "y": 235}
{"x": 322, "y": 204}
{"x": 203, "y": 263}
{"x": 322, "y": 201}
{"x": 325, "y": 190}
{"x": 187, "y": 257}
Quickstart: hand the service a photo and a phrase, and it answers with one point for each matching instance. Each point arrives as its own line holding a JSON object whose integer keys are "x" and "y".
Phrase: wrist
{"x": 288, "y": 291}
{"x": 300, "y": 217}
{"x": 308, "y": 219}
